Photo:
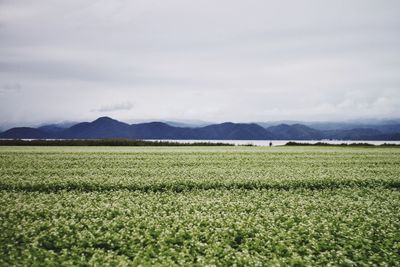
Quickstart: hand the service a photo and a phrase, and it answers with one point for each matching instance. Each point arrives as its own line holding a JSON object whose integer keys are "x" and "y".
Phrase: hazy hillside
{"x": 105, "y": 127}
{"x": 25, "y": 133}
{"x": 295, "y": 132}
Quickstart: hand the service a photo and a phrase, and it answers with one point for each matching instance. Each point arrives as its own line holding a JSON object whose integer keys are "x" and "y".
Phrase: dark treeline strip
{"x": 103, "y": 142}
{"x": 190, "y": 186}
{"x": 341, "y": 145}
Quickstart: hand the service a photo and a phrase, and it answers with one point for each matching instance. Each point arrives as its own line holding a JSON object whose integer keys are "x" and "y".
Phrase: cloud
{"x": 206, "y": 60}
{"x": 10, "y": 88}
{"x": 115, "y": 107}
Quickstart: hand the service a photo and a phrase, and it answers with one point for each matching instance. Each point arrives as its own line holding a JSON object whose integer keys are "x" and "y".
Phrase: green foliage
{"x": 222, "y": 206}
{"x": 291, "y": 143}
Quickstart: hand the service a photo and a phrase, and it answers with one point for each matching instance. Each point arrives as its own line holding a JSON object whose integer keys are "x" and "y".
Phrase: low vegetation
{"x": 244, "y": 206}
{"x": 342, "y": 144}
{"x": 103, "y": 142}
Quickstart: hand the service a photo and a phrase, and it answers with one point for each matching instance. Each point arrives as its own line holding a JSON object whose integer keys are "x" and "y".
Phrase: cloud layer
{"x": 208, "y": 60}
{"x": 115, "y": 107}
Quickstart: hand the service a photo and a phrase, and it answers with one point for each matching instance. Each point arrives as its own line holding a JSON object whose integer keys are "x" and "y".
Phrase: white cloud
{"x": 217, "y": 61}
{"x": 115, "y": 107}
{"x": 7, "y": 88}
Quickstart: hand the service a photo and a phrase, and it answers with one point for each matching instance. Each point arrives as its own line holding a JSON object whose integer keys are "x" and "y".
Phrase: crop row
{"x": 148, "y": 206}
{"x": 215, "y": 227}
{"x": 189, "y": 169}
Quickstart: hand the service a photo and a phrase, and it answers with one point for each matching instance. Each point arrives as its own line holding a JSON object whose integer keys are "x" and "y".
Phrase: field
{"x": 252, "y": 206}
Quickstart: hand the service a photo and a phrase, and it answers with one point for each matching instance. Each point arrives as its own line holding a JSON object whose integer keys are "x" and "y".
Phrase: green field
{"x": 252, "y": 206}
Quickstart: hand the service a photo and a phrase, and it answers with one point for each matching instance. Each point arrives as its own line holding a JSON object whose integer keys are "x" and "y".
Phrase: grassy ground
{"x": 199, "y": 206}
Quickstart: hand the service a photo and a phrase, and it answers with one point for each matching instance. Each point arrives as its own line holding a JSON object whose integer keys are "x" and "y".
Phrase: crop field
{"x": 215, "y": 206}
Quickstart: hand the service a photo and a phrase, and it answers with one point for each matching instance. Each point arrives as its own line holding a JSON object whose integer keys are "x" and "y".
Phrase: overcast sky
{"x": 211, "y": 60}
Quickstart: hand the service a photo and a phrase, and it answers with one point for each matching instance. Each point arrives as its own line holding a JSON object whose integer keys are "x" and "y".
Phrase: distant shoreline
{"x": 103, "y": 142}
{"x": 131, "y": 142}
{"x": 341, "y": 144}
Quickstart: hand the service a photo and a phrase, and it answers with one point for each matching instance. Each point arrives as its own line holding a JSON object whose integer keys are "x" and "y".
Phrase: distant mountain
{"x": 295, "y": 132}
{"x": 188, "y": 123}
{"x": 157, "y": 130}
{"x": 56, "y": 127}
{"x": 177, "y": 123}
{"x": 276, "y": 123}
{"x": 327, "y": 126}
{"x": 232, "y": 131}
{"x": 106, "y": 127}
{"x": 52, "y": 128}
{"x": 103, "y": 127}
{"x": 224, "y": 131}
{"x": 353, "y": 134}
{"x": 25, "y": 133}
{"x": 386, "y": 126}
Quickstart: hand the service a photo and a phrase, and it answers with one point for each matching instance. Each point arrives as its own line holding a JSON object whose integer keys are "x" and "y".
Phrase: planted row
{"x": 215, "y": 227}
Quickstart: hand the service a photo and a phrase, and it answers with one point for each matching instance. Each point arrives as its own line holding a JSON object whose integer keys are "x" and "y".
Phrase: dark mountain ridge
{"x": 25, "y": 133}
{"x": 295, "y": 132}
{"x": 105, "y": 128}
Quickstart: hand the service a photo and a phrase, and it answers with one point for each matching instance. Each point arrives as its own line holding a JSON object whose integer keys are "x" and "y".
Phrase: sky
{"x": 224, "y": 60}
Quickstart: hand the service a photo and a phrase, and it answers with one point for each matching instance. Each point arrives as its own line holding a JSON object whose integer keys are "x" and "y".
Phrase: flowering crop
{"x": 200, "y": 206}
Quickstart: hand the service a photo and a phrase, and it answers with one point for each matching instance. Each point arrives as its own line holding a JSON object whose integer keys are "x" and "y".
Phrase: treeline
{"x": 103, "y": 142}
{"x": 341, "y": 145}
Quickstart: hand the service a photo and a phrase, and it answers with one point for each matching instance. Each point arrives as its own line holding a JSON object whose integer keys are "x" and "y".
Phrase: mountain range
{"x": 105, "y": 127}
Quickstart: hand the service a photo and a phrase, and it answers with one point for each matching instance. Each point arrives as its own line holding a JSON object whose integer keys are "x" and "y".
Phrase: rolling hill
{"x": 106, "y": 127}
